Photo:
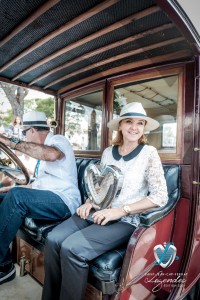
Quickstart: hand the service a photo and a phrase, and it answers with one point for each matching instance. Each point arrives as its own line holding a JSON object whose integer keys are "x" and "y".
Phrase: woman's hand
{"x": 84, "y": 210}
{"x": 105, "y": 215}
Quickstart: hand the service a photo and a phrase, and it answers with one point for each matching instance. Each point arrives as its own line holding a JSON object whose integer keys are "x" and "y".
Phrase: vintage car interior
{"x": 95, "y": 56}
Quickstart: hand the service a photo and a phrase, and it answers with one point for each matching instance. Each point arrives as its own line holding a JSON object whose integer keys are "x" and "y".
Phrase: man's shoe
{"x": 7, "y": 276}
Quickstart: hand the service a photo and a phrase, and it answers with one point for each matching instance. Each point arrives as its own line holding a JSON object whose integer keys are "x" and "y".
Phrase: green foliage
{"x": 8, "y": 118}
{"x": 29, "y": 105}
{"x": 45, "y": 105}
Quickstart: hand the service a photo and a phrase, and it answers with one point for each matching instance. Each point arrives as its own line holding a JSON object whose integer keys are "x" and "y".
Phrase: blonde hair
{"x": 15, "y": 120}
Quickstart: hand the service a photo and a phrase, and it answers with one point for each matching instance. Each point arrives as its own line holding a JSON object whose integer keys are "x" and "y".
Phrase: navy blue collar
{"x": 131, "y": 155}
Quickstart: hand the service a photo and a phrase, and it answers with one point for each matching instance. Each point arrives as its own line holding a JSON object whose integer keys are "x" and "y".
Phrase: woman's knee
{"x": 73, "y": 246}
{"x": 53, "y": 240}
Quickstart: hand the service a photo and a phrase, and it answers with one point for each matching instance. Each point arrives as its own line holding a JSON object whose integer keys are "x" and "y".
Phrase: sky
{"x": 5, "y": 105}
{"x": 192, "y": 9}
{"x": 35, "y": 94}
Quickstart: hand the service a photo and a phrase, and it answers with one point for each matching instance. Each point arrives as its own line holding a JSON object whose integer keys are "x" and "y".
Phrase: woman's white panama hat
{"x": 134, "y": 110}
{"x": 35, "y": 118}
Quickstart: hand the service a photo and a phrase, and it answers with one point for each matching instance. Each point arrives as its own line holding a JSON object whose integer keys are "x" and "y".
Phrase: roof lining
{"x": 146, "y": 62}
{"x": 40, "y": 11}
{"x": 63, "y": 28}
{"x": 77, "y": 41}
{"x": 103, "y": 49}
{"x": 121, "y": 23}
{"x": 117, "y": 57}
{"x": 37, "y": 88}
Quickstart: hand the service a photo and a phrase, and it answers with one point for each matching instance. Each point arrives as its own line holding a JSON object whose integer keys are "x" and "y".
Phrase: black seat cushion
{"x": 38, "y": 229}
{"x": 110, "y": 263}
{"x": 104, "y": 270}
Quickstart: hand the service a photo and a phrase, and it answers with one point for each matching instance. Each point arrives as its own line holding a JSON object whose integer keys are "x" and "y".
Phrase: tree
{"x": 45, "y": 105}
{"x": 15, "y": 95}
{"x": 7, "y": 118}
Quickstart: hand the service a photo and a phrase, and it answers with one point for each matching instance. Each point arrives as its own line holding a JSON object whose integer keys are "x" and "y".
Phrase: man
{"x": 53, "y": 195}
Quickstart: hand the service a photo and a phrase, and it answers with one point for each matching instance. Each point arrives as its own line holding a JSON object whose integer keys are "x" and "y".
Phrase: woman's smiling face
{"x": 132, "y": 129}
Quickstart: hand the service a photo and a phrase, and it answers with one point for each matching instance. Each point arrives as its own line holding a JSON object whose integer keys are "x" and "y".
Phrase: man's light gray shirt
{"x": 60, "y": 176}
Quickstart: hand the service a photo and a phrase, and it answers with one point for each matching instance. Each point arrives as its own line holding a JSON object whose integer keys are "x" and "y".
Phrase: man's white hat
{"x": 35, "y": 118}
{"x": 134, "y": 110}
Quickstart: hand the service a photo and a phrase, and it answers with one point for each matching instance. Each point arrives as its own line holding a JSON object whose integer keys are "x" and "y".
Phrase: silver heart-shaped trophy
{"x": 102, "y": 185}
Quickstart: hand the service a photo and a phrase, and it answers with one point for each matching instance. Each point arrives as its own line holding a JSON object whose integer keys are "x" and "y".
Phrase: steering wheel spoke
{"x": 19, "y": 172}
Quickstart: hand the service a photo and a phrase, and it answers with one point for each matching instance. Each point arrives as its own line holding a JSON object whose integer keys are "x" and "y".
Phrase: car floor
{"x": 21, "y": 288}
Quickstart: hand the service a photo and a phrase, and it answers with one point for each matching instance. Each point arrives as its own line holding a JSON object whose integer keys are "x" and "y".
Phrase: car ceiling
{"x": 59, "y": 45}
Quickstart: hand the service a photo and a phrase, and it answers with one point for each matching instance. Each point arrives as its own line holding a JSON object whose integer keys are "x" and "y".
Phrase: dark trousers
{"x": 68, "y": 249}
{"x": 19, "y": 203}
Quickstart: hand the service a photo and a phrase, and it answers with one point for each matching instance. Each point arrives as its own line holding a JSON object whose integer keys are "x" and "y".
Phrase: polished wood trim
{"x": 104, "y": 120}
{"x": 159, "y": 71}
{"x": 103, "y": 49}
{"x": 178, "y": 155}
{"x": 115, "y": 58}
{"x": 83, "y": 91}
{"x": 40, "y": 11}
{"x": 19, "y": 83}
{"x": 88, "y": 154}
{"x": 189, "y": 113}
{"x": 89, "y": 38}
{"x": 55, "y": 33}
{"x": 89, "y": 88}
{"x": 133, "y": 65}
{"x": 110, "y": 100}
{"x": 152, "y": 74}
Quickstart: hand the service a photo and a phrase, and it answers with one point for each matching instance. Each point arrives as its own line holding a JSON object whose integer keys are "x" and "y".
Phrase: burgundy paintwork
{"x": 139, "y": 268}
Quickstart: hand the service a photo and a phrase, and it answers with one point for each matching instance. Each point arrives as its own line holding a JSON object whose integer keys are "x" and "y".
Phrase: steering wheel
{"x": 12, "y": 166}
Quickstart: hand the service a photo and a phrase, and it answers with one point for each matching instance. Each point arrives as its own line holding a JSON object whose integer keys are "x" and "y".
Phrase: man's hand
{"x": 5, "y": 189}
{"x": 7, "y": 181}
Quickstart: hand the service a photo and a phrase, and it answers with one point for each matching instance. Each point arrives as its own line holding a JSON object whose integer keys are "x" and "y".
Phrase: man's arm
{"x": 42, "y": 152}
{"x": 38, "y": 151}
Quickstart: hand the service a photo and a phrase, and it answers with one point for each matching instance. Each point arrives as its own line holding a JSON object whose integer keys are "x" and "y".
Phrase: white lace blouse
{"x": 142, "y": 175}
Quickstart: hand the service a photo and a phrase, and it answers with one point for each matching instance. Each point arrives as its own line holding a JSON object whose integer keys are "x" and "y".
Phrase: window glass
{"x": 159, "y": 99}
{"x": 83, "y": 121}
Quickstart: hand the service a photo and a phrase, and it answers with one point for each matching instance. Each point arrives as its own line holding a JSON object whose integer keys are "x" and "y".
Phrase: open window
{"x": 161, "y": 97}
{"x": 83, "y": 121}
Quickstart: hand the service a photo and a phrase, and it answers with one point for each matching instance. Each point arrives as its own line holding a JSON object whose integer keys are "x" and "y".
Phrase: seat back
{"x": 104, "y": 271}
{"x": 81, "y": 164}
{"x": 38, "y": 229}
{"x": 172, "y": 176}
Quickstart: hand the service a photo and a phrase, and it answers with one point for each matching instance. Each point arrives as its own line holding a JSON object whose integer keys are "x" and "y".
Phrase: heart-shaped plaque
{"x": 102, "y": 184}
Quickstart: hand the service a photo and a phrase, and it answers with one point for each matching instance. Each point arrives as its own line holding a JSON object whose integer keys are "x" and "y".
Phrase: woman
{"x": 76, "y": 241}
{"x": 16, "y": 128}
